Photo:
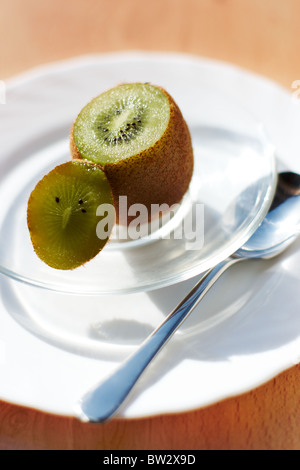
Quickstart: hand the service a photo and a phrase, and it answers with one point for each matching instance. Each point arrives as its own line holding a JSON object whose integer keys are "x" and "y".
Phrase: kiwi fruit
{"x": 61, "y": 214}
{"x": 138, "y": 136}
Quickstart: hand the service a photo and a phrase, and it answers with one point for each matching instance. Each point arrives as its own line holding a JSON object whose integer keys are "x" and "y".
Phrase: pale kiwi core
{"x": 121, "y": 123}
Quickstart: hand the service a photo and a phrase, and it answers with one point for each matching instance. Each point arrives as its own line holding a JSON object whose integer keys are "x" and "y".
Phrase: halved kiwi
{"x": 62, "y": 214}
{"x": 139, "y": 137}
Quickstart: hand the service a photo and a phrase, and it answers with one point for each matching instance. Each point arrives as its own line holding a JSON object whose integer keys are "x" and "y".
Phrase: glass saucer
{"x": 230, "y": 193}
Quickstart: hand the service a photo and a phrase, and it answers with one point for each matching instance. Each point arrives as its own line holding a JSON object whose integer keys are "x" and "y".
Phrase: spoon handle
{"x": 101, "y": 402}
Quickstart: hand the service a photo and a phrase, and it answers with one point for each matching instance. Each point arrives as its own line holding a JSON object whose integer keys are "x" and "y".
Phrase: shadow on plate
{"x": 253, "y": 307}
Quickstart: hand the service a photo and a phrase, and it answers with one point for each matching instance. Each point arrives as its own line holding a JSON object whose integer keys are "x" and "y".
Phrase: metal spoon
{"x": 278, "y": 230}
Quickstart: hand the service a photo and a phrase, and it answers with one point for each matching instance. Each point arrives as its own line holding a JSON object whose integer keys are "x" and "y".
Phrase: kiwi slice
{"x": 62, "y": 214}
{"x": 139, "y": 137}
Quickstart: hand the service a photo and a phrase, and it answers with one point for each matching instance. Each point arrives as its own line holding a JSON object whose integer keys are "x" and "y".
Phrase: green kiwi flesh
{"x": 61, "y": 214}
{"x": 137, "y": 134}
{"x": 121, "y": 122}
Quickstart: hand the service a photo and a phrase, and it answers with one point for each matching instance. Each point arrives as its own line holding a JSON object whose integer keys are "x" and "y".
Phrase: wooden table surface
{"x": 260, "y": 35}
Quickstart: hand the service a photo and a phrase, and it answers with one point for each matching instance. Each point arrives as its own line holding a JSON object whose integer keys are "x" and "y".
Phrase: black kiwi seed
{"x": 124, "y": 134}
{"x": 83, "y": 210}
{"x": 80, "y": 201}
{"x": 57, "y": 199}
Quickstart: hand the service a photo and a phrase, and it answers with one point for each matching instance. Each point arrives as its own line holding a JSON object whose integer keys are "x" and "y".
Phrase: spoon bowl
{"x": 281, "y": 225}
{"x": 277, "y": 231}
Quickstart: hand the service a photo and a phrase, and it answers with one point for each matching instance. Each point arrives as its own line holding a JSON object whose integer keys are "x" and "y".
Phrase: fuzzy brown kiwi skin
{"x": 160, "y": 174}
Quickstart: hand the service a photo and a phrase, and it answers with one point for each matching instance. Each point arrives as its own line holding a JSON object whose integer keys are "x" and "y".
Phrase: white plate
{"x": 242, "y": 333}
